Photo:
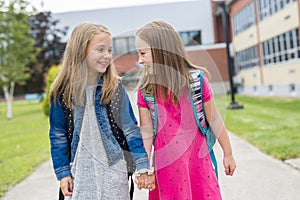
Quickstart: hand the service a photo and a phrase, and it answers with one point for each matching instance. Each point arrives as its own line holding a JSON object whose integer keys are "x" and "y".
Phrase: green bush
{"x": 53, "y": 71}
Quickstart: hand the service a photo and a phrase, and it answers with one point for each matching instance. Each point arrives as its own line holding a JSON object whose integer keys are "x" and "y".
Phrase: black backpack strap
{"x": 61, "y": 195}
{"x": 131, "y": 187}
{"x": 113, "y": 112}
{"x": 68, "y": 113}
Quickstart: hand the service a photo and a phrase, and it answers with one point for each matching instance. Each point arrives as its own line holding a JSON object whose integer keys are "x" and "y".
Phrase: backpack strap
{"x": 151, "y": 103}
{"x": 195, "y": 96}
{"x": 199, "y": 115}
{"x": 113, "y": 113}
{"x": 68, "y": 112}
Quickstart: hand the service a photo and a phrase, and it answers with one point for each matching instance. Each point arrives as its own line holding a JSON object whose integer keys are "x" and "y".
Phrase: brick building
{"x": 193, "y": 20}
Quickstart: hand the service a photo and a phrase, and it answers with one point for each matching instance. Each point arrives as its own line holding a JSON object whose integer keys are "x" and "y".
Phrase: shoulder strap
{"x": 68, "y": 112}
{"x": 195, "y": 94}
{"x": 114, "y": 117}
{"x": 151, "y": 103}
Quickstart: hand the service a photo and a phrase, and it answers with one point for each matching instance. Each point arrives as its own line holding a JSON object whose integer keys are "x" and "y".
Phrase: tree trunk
{"x": 9, "y": 94}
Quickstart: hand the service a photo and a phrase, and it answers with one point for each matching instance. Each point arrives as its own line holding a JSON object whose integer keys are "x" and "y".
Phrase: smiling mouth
{"x": 103, "y": 64}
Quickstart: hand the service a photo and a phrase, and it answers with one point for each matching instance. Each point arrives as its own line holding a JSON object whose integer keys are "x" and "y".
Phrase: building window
{"x": 123, "y": 45}
{"x": 191, "y": 38}
{"x": 247, "y": 58}
{"x": 281, "y": 48}
{"x": 244, "y": 19}
{"x": 267, "y": 8}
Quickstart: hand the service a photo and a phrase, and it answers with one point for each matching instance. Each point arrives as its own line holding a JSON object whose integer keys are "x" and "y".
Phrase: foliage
{"x": 48, "y": 39}
{"x": 16, "y": 48}
{"x": 50, "y": 78}
{"x": 16, "y": 44}
{"x": 24, "y": 143}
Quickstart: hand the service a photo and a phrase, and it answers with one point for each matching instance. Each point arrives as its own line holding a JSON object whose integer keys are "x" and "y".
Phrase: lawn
{"x": 24, "y": 142}
{"x": 271, "y": 124}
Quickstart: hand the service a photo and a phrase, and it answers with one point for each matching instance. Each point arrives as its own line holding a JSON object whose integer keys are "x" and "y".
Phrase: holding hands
{"x": 145, "y": 180}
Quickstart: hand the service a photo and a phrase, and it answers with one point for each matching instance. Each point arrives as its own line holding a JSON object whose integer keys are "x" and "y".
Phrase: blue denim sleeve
{"x": 59, "y": 141}
{"x": 132, "y": 133}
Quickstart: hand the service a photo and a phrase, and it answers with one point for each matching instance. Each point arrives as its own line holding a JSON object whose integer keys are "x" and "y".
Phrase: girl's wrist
{"x": 149, "y": 171}
{"x": 227, "y": 154}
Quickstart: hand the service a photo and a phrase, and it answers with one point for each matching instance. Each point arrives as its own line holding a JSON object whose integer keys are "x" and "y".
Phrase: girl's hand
{"x": 146, "y": 181}
{"x": 66, "y": 185}
{"x": 229, "y": 165}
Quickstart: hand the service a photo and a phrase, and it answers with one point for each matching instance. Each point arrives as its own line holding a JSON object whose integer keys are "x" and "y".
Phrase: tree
{"x": 48, "y": 39}
{"x": 52, "y": 73}
{"x": 16, "y": 48}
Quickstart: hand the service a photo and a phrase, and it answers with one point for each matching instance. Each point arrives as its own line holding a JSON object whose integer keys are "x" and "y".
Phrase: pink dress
{"x": 182, "y": 163}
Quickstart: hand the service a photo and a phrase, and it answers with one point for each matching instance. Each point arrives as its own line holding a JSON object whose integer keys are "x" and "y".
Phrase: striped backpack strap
{"x": 195, "y": 94}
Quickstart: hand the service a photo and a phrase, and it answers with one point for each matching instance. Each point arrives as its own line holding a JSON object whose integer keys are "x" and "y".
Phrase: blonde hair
{"x": 170, "y": 65}
{"x": 72, "y": 78}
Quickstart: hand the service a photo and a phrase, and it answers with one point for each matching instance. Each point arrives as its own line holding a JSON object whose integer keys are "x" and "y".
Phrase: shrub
{"x": 53, "y": 71}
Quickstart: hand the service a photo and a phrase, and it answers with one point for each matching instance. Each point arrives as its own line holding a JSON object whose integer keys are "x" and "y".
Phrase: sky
{"x": 58, "y": 6}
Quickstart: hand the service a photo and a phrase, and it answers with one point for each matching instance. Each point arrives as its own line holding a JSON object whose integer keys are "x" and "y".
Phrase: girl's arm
{"x": 146, "y": 127}
{"x": 59, "y": 141}
{"x": 217, "y": 124}
{"x": 132, "y": 133}
{"x": 60, "y": 148}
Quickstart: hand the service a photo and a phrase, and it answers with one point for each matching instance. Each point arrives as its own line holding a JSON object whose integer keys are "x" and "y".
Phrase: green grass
{"x": 24, "y": 142}
{"x": 271, "y": 124}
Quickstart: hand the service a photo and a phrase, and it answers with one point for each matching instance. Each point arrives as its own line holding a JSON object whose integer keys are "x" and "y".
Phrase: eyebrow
{"x": 101, "y": 45}
{"x": 143, "y": 49}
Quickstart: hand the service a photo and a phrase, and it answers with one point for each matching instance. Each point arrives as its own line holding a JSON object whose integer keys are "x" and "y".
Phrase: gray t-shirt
{"x": 93, "y": 178}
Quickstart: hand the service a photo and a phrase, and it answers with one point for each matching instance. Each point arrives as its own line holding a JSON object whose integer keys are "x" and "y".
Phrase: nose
{"x": 140, "y": 60}
{"x": 107, "y": 54}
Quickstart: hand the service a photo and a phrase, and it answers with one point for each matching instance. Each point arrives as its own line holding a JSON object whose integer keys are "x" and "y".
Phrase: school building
{"x": 193, "y": 20}
{"x": 264, "y": 41}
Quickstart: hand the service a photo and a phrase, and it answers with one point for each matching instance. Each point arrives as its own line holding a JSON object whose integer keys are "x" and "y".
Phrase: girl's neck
{"x": 93, "y": 80}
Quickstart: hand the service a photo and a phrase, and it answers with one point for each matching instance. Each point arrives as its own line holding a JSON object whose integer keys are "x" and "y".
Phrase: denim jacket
{"x": 59, "y": 140}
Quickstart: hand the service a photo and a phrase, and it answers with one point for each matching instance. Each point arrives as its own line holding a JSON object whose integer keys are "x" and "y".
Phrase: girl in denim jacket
{"x": 86, "y": 83}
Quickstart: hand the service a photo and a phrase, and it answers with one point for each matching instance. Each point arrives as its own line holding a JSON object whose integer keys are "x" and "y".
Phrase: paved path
{"x": 258, "y": 177}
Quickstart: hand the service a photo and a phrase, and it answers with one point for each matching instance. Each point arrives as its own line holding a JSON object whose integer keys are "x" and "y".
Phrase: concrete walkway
{"x": 258, "y": 177}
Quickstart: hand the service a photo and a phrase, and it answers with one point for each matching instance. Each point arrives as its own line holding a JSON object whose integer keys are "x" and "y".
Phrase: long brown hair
{"x": 72, "y": 78}
{"x": 170, "y": 65}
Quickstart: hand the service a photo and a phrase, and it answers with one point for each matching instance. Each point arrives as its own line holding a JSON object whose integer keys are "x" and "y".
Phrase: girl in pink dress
{"x": 182, "y": 161}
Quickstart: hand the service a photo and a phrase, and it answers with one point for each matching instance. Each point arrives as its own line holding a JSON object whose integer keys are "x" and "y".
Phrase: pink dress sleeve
{"x": 140, "y": 99}
{"x": 207, "y": 92}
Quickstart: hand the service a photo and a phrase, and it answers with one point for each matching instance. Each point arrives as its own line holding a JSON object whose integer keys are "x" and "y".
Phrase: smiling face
{"x": 145, "y": 55}
{"x": 98, "y": 55}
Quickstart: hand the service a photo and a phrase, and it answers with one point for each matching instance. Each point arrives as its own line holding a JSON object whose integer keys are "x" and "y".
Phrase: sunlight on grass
{"x": 24, "y": 142}
{"x": 271, "y": 124}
